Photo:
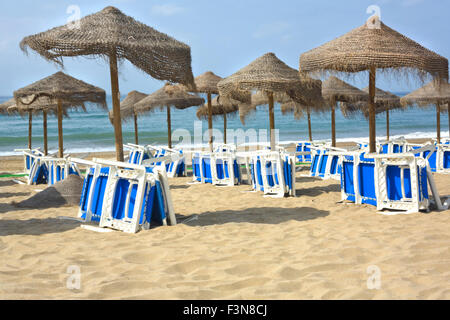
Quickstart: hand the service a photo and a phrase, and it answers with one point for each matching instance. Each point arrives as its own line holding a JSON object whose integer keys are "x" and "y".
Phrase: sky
{"x": 224, "y": 36}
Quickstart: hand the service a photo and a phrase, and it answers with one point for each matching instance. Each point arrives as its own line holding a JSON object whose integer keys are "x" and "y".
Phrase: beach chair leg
{"x": 434, "y": 190}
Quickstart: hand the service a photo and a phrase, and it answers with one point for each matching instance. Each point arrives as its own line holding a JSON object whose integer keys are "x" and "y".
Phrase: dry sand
{"x": 243, "y": 246}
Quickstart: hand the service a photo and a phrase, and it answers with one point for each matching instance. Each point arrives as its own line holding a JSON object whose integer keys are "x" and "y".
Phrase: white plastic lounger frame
{"x": 97, "y": 171}
{"x": 442, "y": 149}
{"x": 272, "y": 166}
{"x": 54, "y": 163}
{"x": 26, "y": 152}
{"x": 136, "y": 150}
{"x": 34, "y": 165}
{"x": 227, "y": 161}
{"x": 405, "y": 161}
{"x": 332, "y": 155}
{"x": 171, "y": 167}
{"x": 138, "y": 176}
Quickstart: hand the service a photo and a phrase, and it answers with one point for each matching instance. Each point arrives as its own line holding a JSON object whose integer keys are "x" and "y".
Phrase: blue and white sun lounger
{"x": 28, "y": 157}
{"x": 273, "y": 173}
{"x": 326, "y": 162}
{"x": 38, "y": 172}
{"x": 138, "y": 153}
{"x": 395, "y": 181}
{"x": 304, "y": 146}
{"x": 217, "y": 168}
{"x": 125, "y": 197}
{"x": 60, "y": 169}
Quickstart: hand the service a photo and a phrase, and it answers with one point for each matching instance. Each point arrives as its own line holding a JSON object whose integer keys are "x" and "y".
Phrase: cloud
{"x": 167, "y": 9}
{"x": 271, "y": 29}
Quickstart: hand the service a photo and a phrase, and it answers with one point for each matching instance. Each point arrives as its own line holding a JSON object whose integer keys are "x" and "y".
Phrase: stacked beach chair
{"x": 139, "y": 154}
{"x": 125, "y": 196}
{"x": 219, "y": 168}
{"x": 271, "y": 172}
{"x": 394, "y": 181}
{"x": 326, "y": 162}
{"x": 47, "y": 169}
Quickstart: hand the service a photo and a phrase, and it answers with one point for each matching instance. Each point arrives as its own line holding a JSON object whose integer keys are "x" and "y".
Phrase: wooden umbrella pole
{"x": 309, "y": 126}
{"x": 116, "y": 105}
{"x": 225, "y": 128}
{"x": 271, "y": 120}
{"x": 372, "y": 123}
{"x": 169, "y": 128}
{"x": 30, "y": 128}
{"x": 60, "y": 130}
{"x": 45, "y": 133}
{"x": 387, "y": 123}
{"x": 136, "y": 135}
{"x": 333, "y": 123}
{"x": 210, "y": 122}
{"x": 438, "y": 122}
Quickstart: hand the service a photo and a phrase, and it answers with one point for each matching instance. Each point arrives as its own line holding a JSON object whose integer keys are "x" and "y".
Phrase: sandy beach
{"x": 241, "y": 246}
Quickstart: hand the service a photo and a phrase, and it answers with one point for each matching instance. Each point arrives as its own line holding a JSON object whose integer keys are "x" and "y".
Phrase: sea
{"x": 92, "y": 131}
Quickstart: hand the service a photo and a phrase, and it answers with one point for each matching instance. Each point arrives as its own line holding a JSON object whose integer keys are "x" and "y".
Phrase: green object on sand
{"x": 13, "y": 175}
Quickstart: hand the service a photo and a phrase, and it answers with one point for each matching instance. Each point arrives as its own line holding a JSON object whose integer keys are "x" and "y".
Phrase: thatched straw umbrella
{"x": 207, "y": 83}
{"x": 384, "y": 102}
{"x": 335, "y": 90}
{"x": 42, "y": 104}
{"x": 166, "y": 97}
{"x": 428, "y": 95}
{"x": 115, "y": 36}
{"x": 127, "y": 110}
{"x": 64, "y": 91}
{"x": 220, "y": 107}
{"x": 270, "y": 75}
{"x": 368, "y": 48}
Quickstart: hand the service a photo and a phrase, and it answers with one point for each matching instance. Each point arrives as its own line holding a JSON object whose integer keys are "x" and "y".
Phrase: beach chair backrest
{"x": 126, "y": 197}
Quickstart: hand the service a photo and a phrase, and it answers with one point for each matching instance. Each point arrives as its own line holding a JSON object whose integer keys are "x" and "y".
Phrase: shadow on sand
{"x": 263, "y": 215}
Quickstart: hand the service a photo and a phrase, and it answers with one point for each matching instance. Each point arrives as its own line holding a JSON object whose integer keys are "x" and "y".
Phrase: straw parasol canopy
{"x": 63, "y": 91}
{"x": 368, "y": 48}
{"x": 270, "y": 75}
{"x": 127, "y": 110}
{"x": 116, "y": 36}
{"x": 7, "y": 104}
{"x": 220, "y": 107}
{"x": 42, "y": 105}
{"x": 166, "y": 97}
{"x": 430, "y": 94}
{"x": 335, "y": 90}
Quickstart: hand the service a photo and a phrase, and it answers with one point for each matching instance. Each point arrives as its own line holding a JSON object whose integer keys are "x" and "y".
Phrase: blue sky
{"x": 224, "y": 36}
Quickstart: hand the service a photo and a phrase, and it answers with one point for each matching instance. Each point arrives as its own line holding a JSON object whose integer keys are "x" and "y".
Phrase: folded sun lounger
{"x": 125, "y": 197}
{"x": 394, "y": 181}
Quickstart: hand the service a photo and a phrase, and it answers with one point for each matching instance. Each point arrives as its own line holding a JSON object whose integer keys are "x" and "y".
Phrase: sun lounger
{"x": 326, "y": 162}
{"x": 394, "y": 181}
{"x": 273, "y": 173}
{"x": 137, "y": 154}
{"x": 125, "y": 197}
{"x": 59, "y": 169}
{"x": 28, "y": 160}
{"x": 304, "y": 146}
{"x": 217, "y": 168}
{"x": 38, "y": 172}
